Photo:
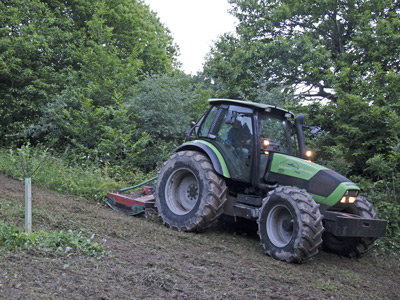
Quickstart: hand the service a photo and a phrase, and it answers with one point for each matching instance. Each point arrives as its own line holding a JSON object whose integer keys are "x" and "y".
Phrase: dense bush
{"x": 132, "y": 134}
{"x": 86, "y": 133}
{"x": 163, "y": 107}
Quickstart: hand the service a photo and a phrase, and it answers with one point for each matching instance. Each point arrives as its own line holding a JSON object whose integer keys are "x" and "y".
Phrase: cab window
{"x": 230, "y": 129}
{"x": 277, "y": 134}
{"x": 207, "y": 123}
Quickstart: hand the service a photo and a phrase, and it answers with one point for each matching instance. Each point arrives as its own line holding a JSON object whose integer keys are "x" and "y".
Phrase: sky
{"x": 194, "y": 25}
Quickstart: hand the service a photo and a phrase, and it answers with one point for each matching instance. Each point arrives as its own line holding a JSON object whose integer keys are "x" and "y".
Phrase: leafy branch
{"x": 28, "y": 160}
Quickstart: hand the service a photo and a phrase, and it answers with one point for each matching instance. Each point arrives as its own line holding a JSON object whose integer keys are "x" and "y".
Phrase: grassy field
{"x": 146, "y": 260}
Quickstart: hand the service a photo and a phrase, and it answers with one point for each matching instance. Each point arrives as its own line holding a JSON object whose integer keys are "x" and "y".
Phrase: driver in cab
{"x": 239, "y": 137}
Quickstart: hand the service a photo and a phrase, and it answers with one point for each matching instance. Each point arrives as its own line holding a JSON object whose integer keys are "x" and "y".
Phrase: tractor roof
{"x": 260, "y": 106}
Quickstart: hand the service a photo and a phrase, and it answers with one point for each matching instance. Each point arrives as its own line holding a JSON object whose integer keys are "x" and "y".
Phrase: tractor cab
{"x": 246, "y": 134}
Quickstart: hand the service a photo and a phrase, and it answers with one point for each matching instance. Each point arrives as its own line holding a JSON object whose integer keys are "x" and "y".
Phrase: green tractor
{"x": 249, "y": 160}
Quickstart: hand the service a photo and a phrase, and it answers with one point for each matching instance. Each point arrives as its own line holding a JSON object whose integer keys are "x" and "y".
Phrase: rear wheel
{"x": 352, "y": 246}
{"x": 290, "y": 225}
{"x": 189, "y": 195}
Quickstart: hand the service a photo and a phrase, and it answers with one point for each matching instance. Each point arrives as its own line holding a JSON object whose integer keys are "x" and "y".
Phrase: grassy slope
{"x": 149, "y": 261}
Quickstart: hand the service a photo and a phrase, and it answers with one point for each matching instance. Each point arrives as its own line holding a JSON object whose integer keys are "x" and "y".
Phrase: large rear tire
{"x": 290, "y": 225}
{"x": 189, "y": 194}
{"x": 352, "y": 247}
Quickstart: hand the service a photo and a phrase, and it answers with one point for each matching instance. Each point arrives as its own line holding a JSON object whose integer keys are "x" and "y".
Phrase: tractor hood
{"x": 327, "y": 186}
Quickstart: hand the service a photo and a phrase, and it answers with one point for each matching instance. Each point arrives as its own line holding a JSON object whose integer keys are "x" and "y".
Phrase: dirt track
{"x": 149, "y": 261}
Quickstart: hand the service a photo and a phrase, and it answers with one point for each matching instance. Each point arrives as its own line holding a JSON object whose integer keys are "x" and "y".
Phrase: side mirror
{"x": 315, "y": 130}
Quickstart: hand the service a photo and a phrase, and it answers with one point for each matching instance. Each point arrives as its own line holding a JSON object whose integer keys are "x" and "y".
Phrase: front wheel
{"x": 352, "y": 246}
{"x": 290, "y": 225}
{"x": 189, "y": 194}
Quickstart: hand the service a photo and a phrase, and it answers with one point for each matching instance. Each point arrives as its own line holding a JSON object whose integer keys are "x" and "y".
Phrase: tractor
{"x": 249, "y": 160}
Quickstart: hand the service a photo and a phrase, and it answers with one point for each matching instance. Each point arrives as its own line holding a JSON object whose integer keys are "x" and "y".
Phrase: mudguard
{"x": 212, "y": 152}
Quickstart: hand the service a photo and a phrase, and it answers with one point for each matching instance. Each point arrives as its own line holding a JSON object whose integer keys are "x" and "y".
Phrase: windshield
{"x": 277, "y": 132}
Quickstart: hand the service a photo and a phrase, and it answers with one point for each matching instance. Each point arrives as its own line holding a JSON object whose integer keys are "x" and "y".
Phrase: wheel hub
{"x": 182, "y": 191}
{"x": 280, "y": 226}
{"x": 287, "y": 225}
{"x": 192, "y": 192}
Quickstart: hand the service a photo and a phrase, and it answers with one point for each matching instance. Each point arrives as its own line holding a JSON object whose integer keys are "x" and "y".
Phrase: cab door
{"x": 230, "y": 129}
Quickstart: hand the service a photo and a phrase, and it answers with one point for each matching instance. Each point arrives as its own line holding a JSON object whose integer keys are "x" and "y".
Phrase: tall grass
{"x": 89, "y": 180}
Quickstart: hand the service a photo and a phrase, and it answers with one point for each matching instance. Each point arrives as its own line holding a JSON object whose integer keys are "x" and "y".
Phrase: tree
{"x": 353, "y": 132}
{"x": 99, "y": 47}
{"x": 318, "y": 48}
{"x": 224, "y": 67}
{"x": 29, "y": 40}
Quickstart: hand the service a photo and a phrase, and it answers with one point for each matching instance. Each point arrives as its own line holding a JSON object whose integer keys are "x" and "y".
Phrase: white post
{"x": 28, "y": 205}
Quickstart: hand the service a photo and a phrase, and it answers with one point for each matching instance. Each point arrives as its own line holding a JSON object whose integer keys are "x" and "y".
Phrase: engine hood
{"x": 327, "y": 186}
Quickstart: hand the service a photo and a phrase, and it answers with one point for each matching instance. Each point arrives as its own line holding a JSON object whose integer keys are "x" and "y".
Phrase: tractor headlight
{"x": 265, "y": 143}
{"x": 349, "y": 197}
{"x": 349, "y": 200}
{"x": 352, "y": 199}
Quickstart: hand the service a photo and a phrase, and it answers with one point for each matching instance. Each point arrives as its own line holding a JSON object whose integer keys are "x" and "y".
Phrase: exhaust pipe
{"x": 298, "y": 123}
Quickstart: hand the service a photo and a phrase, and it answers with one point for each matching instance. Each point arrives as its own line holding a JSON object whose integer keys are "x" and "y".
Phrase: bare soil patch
{"x": 149, "y": 261}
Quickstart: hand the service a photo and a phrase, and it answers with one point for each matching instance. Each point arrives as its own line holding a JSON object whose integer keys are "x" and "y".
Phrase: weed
{"x": 13, "y": 238}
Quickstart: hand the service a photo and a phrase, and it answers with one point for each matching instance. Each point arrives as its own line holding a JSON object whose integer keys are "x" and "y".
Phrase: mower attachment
{"x": 132, "y": 203}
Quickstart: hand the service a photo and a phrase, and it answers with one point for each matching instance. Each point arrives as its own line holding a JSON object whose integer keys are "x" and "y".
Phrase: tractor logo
{"x": 288, "y": 165}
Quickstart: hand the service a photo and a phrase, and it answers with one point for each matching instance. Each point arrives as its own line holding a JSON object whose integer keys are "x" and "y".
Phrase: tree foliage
{"x": 135, "y": 132}
{"x": 343, "y": 54}
{"x": 164, "y": 106}
{"x": 354, "y": 132}
{"x": 322, "y": 47}
{"x": 99, "y": 47}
